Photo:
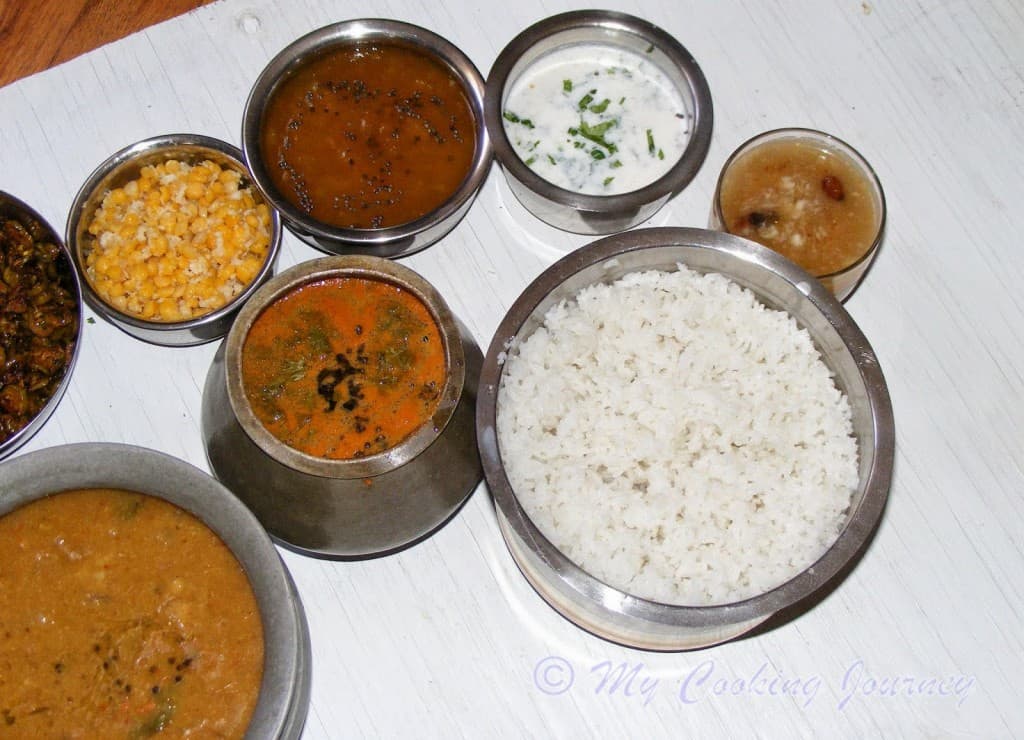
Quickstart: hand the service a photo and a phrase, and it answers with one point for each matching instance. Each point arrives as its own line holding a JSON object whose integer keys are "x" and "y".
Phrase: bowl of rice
{"x": 683, "y": 434}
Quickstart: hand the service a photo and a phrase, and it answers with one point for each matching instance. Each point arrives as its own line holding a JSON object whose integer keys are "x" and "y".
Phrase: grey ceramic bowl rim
{"x": 672, "y": 182}
{"x": 861, "y": 523}
{"x": 348, "y": 33}
{"x": 284, "y": 692}
{"x": 107, "y": 174}
{"x": 797, "y": 132}
{"x": 326, "y": 268}
{"x": 13, "y": 207}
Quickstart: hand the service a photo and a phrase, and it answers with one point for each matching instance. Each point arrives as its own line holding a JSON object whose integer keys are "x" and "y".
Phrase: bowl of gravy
{"x": 368, "y": 137}
{"x": 809, "y": 196}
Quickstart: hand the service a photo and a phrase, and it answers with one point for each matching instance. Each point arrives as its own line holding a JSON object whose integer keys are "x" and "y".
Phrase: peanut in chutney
{"x": 123, "y": 616}
{"x": 811, "y": 204}
{"x": 368, "y": 136}
{"x": 344, "y": 367}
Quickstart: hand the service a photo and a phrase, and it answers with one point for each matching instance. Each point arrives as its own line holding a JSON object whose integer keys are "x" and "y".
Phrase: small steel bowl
{"x": 391, "y": 241}
{"x": 124, "y": 166}
{"x": 598, "y": 214}
{"x": 779, "y": 284}
{"x": 845, "y": 281}
{"x": 283, "y": 700}
{"x": 359, "y": 507}
{"x": 16, "y": 210}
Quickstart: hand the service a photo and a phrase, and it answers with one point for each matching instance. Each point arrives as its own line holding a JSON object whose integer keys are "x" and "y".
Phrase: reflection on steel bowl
{"x": 170, "y": 238}
{"x": 737, "y": 583}
{"x": 133, "y": 659}
{"x": 368, "y": 137}
{"x": 390, "y": 462}
{"x": 40, "y": 321}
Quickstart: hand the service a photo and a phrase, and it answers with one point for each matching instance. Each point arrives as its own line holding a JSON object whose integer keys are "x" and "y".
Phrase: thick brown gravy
{"x": 123, "y": 616}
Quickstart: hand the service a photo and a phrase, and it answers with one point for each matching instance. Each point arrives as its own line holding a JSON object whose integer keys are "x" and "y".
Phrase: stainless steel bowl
{"x": 391, "y": 241}
{"x": 284, "y": 694}
{"x": 14, "y": 209}
{"x": 357, "y": 507}
{"x": 779, "y": 284}
{"x": 117, "y": 170}
{"x": 598, "y": 214}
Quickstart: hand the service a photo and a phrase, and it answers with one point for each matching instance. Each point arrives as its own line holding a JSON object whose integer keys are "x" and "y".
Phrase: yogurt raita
{"x": 596, "y": 119}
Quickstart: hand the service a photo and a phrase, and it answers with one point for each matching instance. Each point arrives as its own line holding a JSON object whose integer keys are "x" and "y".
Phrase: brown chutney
{"x": 369, "y": 135}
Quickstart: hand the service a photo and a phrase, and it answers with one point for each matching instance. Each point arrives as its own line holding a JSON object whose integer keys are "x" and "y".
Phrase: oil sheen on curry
{"x": 368, "y": 136}
{"x": 123, "y": 616}
{"x": 344, "y": 367}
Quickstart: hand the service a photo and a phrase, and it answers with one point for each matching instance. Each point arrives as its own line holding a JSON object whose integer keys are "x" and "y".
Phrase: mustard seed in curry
{"x": 344, "y": 368}
{"x": 369, "y": 136}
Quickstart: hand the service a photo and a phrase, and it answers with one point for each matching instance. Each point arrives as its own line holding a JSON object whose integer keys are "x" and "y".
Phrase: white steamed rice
{"x": 677, "y": 439}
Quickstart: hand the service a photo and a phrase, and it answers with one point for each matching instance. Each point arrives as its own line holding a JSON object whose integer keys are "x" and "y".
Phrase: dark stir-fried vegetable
{"x": 38, "y": 323}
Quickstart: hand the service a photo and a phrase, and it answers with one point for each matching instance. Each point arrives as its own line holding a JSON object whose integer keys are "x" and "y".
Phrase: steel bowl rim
{"x": 673, "y": 181}
{"x": 861, "y": 522}
{"x": 349, "y": 32}
{"x": 338, "y": 266}
{"x": 37, "y": 422}
{"x": 158, "y": 148}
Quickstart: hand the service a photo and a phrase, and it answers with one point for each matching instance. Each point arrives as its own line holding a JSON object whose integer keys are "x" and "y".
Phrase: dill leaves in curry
{"x": 345, "y": 367}
{"x": 369, "y": 135}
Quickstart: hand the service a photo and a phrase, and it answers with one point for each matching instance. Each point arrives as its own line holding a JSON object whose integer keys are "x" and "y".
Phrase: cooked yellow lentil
{"x": 177, "y": 242}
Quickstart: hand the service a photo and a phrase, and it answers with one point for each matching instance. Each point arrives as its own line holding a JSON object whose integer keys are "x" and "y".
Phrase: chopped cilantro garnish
{"x": 596, "y": 134}
{"x": 513, "y": 118}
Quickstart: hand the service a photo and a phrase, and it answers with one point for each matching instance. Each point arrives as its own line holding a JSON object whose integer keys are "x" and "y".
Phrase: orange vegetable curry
{"x": 369, "y": 136}
{"x": 123, "y": 616}
{"x": 344, "y": 367}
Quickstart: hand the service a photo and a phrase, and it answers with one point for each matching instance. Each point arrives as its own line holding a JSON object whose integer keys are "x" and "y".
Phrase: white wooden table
{"x": 446, "y": 639}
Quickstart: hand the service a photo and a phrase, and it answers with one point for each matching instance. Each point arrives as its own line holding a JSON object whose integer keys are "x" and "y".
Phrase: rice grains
{"x": 677, "y": 439}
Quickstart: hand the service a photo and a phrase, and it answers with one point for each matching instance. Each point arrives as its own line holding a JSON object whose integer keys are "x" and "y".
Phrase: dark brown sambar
{"x": 369, "y": 135}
